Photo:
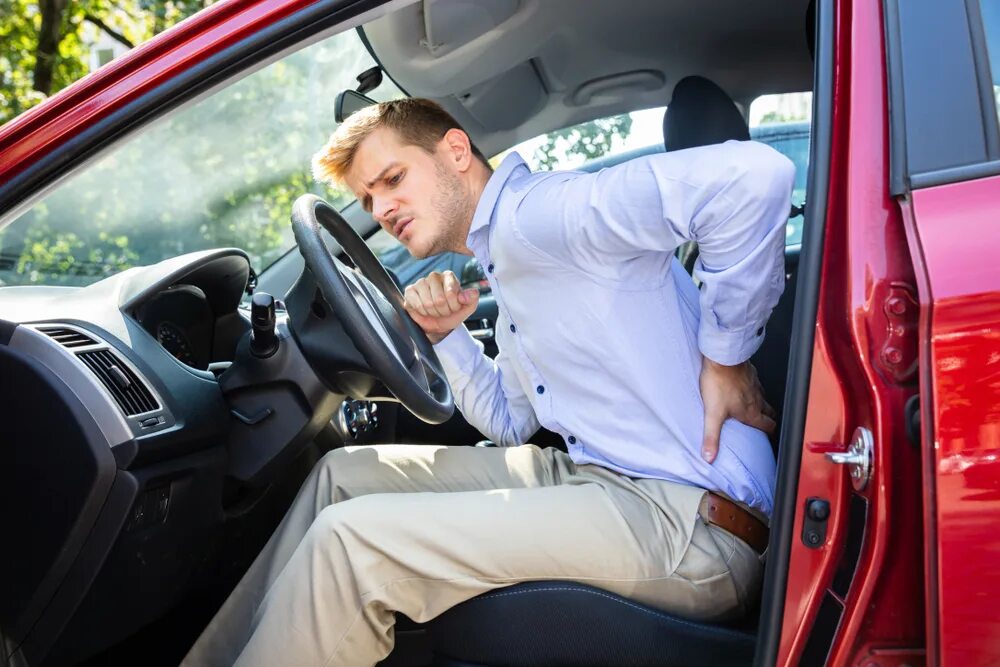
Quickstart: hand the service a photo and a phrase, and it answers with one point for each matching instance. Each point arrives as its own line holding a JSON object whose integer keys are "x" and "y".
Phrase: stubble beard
{"x": 454, "y": 208}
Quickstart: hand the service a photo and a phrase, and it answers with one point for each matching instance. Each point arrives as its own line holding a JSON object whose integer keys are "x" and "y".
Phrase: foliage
{"x": 80, "y": 24}
{"x": 221, "y": 173}
{"x": 583, "y": 142}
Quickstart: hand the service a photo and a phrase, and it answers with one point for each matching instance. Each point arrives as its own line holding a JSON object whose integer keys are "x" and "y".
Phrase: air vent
{"x": 128, "y": 390}
{"x": 68, "y": 337}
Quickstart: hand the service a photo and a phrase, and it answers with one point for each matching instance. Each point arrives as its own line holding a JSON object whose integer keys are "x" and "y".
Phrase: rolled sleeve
{"x": 732, "y": 199}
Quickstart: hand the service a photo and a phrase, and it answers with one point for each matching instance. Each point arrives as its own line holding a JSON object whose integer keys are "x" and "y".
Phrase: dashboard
{"x": 181, "y": 320}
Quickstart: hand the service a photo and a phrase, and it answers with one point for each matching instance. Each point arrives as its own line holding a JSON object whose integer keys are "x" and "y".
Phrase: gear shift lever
{"x": 263, "y": 341}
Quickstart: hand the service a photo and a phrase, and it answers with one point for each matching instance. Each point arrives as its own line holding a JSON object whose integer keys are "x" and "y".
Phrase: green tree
{"x": 222, "y": 172}
{"x": 46, "y": 45}
{"x": 583, "y": 142}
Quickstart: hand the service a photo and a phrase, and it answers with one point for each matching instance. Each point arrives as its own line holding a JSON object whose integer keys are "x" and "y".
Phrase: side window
{"x": 990, "y": 10}
{"x": 782, "y": 122}
{"x": 223, "y": 171}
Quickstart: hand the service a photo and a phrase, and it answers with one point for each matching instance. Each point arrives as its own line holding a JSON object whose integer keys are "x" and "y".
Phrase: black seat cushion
{"x": 700, "y": 114}
{"x": 565, "y": 624}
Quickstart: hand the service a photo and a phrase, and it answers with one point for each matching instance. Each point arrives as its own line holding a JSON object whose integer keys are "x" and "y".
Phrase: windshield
{"x": 222, "y": 172}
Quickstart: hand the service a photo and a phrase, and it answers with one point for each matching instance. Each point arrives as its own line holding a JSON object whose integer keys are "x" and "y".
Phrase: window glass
{"x": 221, "y": 172}
{"x": 572, "y": 147}
{"x": 782, "y": 122}
{"x": 991, "y": 26}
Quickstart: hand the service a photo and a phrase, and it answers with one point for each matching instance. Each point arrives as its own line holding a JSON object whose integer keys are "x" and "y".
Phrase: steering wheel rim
{"x": 369, "y": 306}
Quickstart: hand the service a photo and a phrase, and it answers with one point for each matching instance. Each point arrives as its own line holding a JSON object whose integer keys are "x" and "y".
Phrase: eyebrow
{"x": 381, "y": 174}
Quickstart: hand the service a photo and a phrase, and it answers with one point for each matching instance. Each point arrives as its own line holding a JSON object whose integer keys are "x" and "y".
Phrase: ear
{"x": 458, "y": 149}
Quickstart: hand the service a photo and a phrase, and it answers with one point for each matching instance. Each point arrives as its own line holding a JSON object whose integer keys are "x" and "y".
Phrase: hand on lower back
{"x": 438, "y": 304}
{"x": 736, "y": 392}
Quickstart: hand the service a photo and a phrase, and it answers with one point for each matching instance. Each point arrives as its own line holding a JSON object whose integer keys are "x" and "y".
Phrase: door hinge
{"x": 897, "y": 356}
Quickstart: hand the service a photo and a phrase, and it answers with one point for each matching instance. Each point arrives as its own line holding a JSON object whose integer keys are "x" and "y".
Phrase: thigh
{"x": 350, "y": 472}
{"x": 422, "y": 553}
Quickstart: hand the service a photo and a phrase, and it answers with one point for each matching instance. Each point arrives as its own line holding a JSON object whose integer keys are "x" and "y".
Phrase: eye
{"x": 394, "y": 180}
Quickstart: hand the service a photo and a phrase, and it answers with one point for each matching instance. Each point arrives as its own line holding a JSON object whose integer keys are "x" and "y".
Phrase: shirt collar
{"x": 491, "y": 193}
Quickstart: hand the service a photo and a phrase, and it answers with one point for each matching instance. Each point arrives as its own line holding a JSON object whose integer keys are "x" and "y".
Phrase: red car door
{"x": 947, "y": 173}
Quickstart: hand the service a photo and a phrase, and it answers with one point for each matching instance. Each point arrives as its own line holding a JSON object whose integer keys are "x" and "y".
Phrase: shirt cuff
{"x": 727, "y": 347}
{"x": 458, "y": 352}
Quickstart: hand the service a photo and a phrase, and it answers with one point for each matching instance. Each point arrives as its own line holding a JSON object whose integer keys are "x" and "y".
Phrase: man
{"x": 602, "y": 340}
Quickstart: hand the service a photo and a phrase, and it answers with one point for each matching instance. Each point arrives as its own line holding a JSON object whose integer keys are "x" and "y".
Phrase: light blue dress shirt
{"x": 601, "y": 332}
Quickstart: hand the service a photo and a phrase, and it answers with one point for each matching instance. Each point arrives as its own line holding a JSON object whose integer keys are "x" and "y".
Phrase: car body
{"x": 889, "y": 339}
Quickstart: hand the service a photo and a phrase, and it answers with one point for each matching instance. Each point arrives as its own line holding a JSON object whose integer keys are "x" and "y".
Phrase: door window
{"x": 990, "y": 10}
{"x": 222, "y": 172}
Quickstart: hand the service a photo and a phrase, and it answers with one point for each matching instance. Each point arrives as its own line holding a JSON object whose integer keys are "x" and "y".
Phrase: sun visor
{"x": 448, "y": 24}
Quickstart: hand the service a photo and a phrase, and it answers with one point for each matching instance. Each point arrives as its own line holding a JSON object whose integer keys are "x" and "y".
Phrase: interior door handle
{"x": 484, "y": 331}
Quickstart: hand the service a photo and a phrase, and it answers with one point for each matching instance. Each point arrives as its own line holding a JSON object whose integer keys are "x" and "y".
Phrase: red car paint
{"x": 855, "y": 383}
{"x": 894, "y": 286}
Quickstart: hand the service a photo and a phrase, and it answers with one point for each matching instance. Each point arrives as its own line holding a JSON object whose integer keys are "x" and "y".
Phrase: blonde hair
{"x": 418, "y": 122}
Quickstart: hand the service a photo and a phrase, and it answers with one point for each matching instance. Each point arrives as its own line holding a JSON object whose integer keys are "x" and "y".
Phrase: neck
{"x": 475, "y": 181}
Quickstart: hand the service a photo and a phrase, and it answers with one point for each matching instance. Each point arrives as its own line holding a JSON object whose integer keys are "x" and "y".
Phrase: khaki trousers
{"x": 418, "y": 529}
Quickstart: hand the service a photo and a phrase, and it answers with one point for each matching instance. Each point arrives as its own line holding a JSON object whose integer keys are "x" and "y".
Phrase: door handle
{"x": 484, "y": 331}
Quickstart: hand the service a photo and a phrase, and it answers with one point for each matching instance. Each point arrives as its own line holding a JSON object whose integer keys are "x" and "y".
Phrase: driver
{"x": 604, "y": 339}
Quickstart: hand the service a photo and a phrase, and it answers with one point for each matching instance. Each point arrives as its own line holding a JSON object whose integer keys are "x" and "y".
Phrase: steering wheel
{"x": 368, "y": 305}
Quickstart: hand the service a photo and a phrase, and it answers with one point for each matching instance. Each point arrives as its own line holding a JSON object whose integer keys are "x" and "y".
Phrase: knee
{"x": 346, "y": 517}
{"x": 332, "y": 460}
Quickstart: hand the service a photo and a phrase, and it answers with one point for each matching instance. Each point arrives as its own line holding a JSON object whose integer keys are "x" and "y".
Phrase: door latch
{"x": 858, "y": 457}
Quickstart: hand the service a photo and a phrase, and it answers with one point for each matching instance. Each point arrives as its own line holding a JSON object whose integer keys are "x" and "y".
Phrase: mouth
{"x": 401, "y": 225}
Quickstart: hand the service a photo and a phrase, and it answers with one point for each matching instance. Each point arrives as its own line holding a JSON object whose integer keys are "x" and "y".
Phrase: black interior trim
{"x": 371, "y": 52}
{"x": 800, "y": 352}
{"x": 981, "y": 56}
{"x": 898, "y": 183}
{"x": 256, "y": 48}
{"x": 6, "y": 331}
{"x": 857, "y": 521}
{"x": 817, "y": 648}
{"x": 955, "y": 174}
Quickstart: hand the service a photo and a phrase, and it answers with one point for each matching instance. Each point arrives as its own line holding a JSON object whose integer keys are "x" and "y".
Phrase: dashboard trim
{"x": 117, "y": 428}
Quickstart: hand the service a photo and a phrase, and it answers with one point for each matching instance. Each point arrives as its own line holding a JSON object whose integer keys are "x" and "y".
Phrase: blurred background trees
{"x": 47, "y": 45}
{"x": 222, "y": 172}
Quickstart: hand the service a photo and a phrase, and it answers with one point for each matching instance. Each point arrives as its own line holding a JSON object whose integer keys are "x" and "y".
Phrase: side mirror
{"x": 348, "y": 102}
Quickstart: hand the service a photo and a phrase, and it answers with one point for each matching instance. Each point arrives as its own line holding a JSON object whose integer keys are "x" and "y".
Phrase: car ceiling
{"x": 509, "y": 70}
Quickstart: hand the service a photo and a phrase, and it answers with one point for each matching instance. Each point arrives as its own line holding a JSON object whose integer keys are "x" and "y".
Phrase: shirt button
{"x": 513, "y": 328}
{"x": 760, "y": 331}
{"x": 490, "y": 268}
{"x": 572, "y": 439}
{"x": 540, "y": 389}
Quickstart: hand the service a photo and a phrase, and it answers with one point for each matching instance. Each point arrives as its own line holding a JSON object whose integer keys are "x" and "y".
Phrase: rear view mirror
{"x": 348, "y": 102}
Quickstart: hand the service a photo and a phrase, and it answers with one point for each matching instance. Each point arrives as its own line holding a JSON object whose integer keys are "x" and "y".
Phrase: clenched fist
{"x": 437, "y": 304}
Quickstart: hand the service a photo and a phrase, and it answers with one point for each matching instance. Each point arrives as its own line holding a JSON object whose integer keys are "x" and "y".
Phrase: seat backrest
{"x": 700, "y": 114}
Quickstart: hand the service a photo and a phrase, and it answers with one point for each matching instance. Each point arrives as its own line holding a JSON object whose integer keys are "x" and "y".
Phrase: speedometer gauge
{"x": 173, "y": 340}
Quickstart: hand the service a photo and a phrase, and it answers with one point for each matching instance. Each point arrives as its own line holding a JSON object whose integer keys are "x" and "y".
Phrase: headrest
{"x": 701, "y": 114}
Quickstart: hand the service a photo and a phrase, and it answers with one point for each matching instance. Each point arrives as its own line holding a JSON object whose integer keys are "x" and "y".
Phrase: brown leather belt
{"x": 732, "y": 518}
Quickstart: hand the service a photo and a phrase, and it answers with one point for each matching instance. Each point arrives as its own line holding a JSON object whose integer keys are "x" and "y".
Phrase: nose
{"x": 383, "y": 208}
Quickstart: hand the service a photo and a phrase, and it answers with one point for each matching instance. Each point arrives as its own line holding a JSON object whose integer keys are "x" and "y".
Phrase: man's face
{"x": 414, "y": 195}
